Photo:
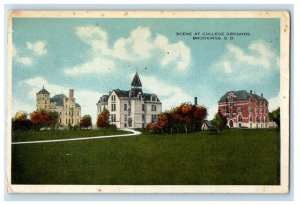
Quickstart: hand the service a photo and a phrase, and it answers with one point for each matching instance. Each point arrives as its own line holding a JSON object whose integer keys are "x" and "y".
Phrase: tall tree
{"x": 86, "y": 121}
{"x": 103, "y": 119}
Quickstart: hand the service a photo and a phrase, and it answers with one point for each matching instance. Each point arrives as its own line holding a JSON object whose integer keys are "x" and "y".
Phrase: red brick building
{"x": 244, "y": 109}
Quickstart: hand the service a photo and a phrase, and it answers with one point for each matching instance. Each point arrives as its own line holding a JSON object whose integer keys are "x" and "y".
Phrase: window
{"x": 256, "y": 119}
{"x": 153, "y": 98}
{"x": 250, "y": 109}
{"x": 256, "y": 110}
{"x": 262, "y": 119}
{"x": 240, "y": 119}
{"x": 113, "y": 107}
{"x": 143, "y": 117}
{"x": 78, "y": 113}
{"x": 239, "y": 109}
{"x": 140, "y": 97}
{"x": 153, "y": 118}
{"x": 153, "y": 108}
{"x": 125, "y": 117}
{"x": 224, "y": 110}
{"x": 125, "y": 107}
{"x": 250, "y": 118}
{"x": 113, "y": 98}
{"x": 113, "y": 117}
{"x": 230, "y": 115}
{"x": 143, "y": 107}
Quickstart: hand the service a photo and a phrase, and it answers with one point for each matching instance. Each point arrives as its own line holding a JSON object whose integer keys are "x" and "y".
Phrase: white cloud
{"x": 97, "y": 65}
{"x": 177, "y": 53}
{"x": 86, "y": 98}
{"x": 96, "y": 37}
{"x": 274, "y": 103}
{"x": 259, "y": 60}
{"x": 24, "y": 60}
{"x": 170, "y": 95}
{"x": 19, "y": 105}
{"x": 38, "y": 48}
{"x": 23, "y": 57}
{"x": 137, "y": 47}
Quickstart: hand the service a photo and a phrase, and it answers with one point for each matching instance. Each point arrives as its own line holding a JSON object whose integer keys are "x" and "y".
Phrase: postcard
{"x": 148, "y": 102}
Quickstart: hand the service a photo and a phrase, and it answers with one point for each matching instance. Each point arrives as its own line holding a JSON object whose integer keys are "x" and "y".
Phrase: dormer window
{"x": 153, "y": 98}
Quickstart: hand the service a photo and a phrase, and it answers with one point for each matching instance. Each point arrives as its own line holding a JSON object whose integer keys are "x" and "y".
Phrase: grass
{"x": 233, "y": 157}
{"x": 24, "y": 136}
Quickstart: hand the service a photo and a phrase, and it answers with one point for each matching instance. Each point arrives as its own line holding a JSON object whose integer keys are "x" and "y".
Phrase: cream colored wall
{"x": 63, "y": 111}
{"x": 43, "y": 101}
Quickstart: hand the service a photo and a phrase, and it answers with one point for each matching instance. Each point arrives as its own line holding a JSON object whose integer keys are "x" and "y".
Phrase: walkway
{"x": 134, "y": 132}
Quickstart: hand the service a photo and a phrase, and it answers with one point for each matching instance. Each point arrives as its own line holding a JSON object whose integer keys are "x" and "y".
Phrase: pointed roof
{"x": 136, "y": 82}
{"x": 43, "y": 91}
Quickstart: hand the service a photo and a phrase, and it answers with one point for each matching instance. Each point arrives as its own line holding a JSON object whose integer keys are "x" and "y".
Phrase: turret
{"x": 43, "y": 99}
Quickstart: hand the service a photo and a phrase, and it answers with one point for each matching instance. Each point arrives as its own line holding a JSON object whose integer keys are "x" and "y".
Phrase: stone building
{"x": 69, "y": 111}
{"x": 244, "y": 109}
{"x": 131, "y": 108}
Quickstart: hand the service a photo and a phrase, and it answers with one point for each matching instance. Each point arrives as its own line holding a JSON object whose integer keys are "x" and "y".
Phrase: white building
{"x": 132, "y": 108}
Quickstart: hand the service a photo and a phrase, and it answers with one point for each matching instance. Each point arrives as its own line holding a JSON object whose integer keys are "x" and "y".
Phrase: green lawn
{"x": 233, "y": 157}
{"x": 24, "y": 136}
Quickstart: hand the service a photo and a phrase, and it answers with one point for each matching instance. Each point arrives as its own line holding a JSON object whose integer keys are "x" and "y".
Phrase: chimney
{"x": 262, "y": 95}
{"x": 195, "y": 101}
{"x": 251, "y": 92}
{"x": 71, "y": 93}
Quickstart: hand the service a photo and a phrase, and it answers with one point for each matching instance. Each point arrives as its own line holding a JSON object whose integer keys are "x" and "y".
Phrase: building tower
{"x": 136, "y": 82}
{"x": 43, "y": 99}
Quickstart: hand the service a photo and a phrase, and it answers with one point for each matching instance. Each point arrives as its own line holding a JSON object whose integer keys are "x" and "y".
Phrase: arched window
{"x": 250, "y": 118}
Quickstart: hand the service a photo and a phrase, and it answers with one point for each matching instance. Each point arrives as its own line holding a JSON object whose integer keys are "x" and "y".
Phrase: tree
{"x": 183, "y": 119}
{"x": 21, "y": 115}
{"x": 86, "y": 121}
{"x": 53, "y": 119}
{"x": 43, "y": 118}
{"x": 275, "y": 116}
{"x": 39, "y": 118}
{"x": 21, "y": 122}
{"x": 103, "y": 119}
{"x": 219, "y": 121}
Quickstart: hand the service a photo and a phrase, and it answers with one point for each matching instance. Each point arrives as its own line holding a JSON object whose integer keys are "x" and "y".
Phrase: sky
{"x": 173, "y": 58}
